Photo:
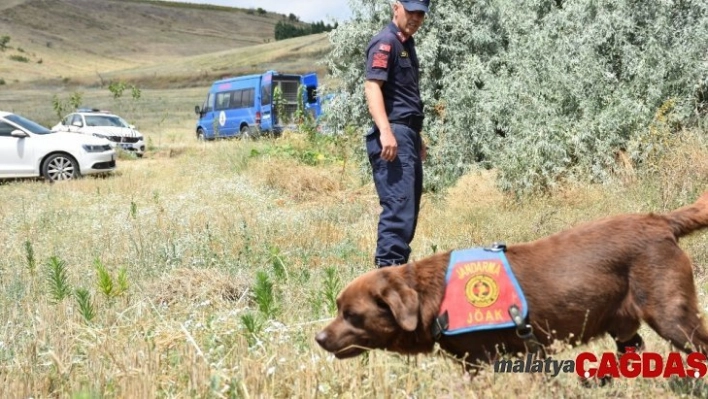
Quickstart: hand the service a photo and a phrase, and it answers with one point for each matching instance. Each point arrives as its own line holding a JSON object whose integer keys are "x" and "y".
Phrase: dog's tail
{"x": 690, "y": 218}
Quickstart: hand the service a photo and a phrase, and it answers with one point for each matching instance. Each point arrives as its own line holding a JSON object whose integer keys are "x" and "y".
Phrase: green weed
{"x": 264, "y": 295}
{"x": 86, "y": 308}
{"x": 30, "y": 258}
{"x": 58, "y": 279}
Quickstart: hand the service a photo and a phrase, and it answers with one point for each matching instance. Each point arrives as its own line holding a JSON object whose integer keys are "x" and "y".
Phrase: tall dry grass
{"x": 211, "y": 233}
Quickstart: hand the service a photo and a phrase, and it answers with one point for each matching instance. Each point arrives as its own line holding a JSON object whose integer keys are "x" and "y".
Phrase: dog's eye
{"x": 353, "y": 318}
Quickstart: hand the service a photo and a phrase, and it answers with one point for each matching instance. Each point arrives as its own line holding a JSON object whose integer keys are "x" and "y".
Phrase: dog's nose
{"x": 321, "y": 338}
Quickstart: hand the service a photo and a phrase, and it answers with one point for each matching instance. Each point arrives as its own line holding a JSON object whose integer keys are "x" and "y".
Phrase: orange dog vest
{"x": 480, "y": 291}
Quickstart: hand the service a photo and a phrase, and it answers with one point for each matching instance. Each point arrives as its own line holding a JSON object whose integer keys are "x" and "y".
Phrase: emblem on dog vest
{"x": 480, "y": 291}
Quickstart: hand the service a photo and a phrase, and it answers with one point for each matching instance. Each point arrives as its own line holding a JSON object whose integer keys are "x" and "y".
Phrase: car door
{"x": 16, "y": 153}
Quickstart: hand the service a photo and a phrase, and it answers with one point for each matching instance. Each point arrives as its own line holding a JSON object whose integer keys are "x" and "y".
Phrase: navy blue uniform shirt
{"x": 392, "y": 58}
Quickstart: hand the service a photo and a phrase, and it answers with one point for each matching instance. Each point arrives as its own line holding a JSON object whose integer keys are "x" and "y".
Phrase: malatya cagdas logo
{"x": 631, "y": 364}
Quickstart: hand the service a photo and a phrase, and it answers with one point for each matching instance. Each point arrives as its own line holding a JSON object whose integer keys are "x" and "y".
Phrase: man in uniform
{"x": 394, "y": 145}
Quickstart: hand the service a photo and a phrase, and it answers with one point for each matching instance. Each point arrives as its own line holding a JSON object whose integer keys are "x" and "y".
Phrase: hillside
{"x": 83, "y": 40}
{"x": 297, "y": 55}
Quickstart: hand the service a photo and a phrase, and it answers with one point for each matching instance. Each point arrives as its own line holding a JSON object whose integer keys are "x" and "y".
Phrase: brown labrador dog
{"x": 602, "y": 277}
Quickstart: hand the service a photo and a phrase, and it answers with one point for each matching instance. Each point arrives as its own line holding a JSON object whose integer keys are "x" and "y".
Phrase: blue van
{"x": 244, "y": 106}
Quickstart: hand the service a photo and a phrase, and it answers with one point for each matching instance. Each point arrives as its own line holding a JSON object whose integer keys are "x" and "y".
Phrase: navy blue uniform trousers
{"x": 399, "y": 184}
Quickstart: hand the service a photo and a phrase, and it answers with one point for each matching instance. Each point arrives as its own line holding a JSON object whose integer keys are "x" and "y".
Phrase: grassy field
{"x": 205, "y": 269}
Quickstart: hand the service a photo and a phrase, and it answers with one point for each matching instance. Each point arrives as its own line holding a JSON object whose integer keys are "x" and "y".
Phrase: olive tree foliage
{"x": 541, "y": 90}
{"x": 346, "y": 61}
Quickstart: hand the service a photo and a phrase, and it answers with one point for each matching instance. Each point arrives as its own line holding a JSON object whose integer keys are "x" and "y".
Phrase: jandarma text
{"x": 628, "y": 365}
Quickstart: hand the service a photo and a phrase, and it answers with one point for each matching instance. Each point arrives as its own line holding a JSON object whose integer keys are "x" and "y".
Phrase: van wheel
{"x": 246, "y": 132}
{"x": 200, "y": 134}
{"x": 60, "y": 167}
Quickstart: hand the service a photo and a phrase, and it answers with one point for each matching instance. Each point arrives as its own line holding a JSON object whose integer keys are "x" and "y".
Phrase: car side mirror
{"x": 197, "y": 110}
{"x": 77, "y": 124}
{"x": 19, "y": 133}
{"x": 131, "y": 126}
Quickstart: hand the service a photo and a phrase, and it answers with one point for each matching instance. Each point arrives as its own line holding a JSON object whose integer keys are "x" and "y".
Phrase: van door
{"x": 248, "y": 109}
{"x": 311, "y": 100}
{"x": 206, "y": 118}
{"x": 266, "y": 106}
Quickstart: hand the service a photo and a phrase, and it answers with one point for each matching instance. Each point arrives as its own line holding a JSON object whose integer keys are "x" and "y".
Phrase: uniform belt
{"x": 413, "y": 122}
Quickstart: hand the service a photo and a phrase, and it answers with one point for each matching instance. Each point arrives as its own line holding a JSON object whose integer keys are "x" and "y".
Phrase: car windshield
{"x": 105, "y": 120}
{"x": 28, "y": 125}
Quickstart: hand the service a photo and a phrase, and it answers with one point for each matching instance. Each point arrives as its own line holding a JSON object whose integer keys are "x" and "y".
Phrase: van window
{"x": 247, "y": 98}
{"x": 235, "y": 99}
{"x": 223, "y": 101}
{"x": 311, "y": 94}
{"x": 265, "y": 95}
{"x": 209, "y": 103}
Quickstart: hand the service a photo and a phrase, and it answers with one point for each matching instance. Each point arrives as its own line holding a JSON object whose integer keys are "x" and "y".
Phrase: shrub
{"x": 544, "y": 91}
{"x": 62, "y": 106}
{"x": 4, "y": 40}
{"x": 19, "y": 58}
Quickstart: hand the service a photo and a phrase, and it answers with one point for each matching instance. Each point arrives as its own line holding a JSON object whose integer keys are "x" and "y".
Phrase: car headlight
{"x": 96, "y": 148}
{"x": 100, "y": 135}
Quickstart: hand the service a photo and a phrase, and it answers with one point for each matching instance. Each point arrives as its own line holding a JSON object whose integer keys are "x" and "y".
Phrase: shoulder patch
{"x": 385, "y": 47}
{"x": 380, "y": 60}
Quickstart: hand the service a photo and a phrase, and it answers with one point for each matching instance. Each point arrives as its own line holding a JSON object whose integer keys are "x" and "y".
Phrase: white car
{"x": 28, "y": 149}
{"x": 106, "y": 125}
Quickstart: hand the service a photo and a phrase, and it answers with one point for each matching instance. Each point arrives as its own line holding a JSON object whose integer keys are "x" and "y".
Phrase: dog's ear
{"x": 403, "y": 302}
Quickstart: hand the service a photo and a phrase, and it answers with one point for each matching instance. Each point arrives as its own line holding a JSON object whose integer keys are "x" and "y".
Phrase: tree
{"x": 285, "y": 30}
{"x": 543, "y": 91}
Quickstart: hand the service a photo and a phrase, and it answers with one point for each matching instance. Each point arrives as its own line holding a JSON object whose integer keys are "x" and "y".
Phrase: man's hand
{"x": 389, "y": 146}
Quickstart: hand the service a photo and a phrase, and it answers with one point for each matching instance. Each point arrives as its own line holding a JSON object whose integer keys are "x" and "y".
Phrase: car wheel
{"x": 200, "y": 134}
{"x": 60, "y": 167}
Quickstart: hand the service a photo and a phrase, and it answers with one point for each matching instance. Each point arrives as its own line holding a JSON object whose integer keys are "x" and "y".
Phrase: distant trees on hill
{"x": 286, "y": 30}
{"x": 258, "y": 11}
